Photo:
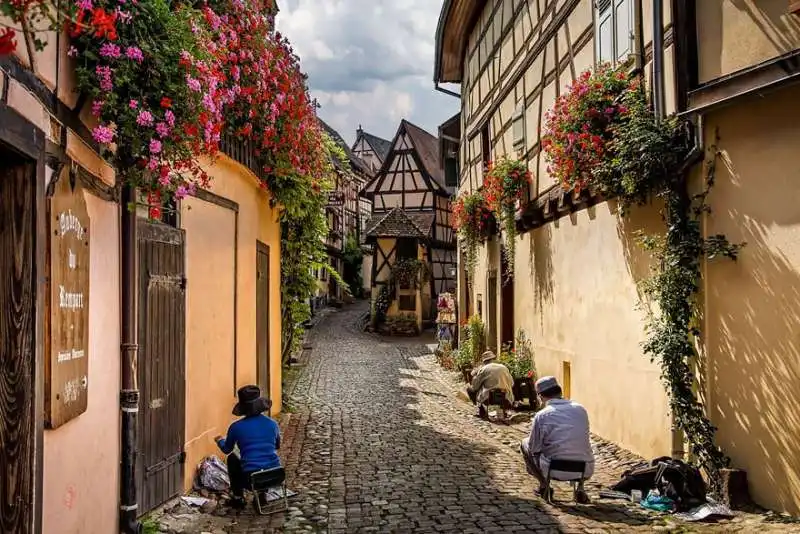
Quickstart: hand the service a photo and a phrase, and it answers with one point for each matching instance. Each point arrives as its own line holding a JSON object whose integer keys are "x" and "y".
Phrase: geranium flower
{"x": 104, "y": 77}
{"x": 110, "y": 50}
{"x": 155, "y": 146}
{"x": 72, "y": 52}
{"x": 105, "y": 25}
{"x": 134, "y": 53}
{"x": 145, "y": 118}
{"x": 103, "y": 134}
{"x": 166, "y": 102}
{"x": 7, "y": 43}
{"x": 133, "y": 104}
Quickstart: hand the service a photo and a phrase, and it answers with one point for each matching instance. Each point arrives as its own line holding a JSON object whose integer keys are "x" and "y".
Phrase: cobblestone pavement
{"x": 378, "y": 440}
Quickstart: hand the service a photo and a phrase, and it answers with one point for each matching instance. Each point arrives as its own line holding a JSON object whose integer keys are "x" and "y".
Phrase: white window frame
{"x": 607, "y": 10}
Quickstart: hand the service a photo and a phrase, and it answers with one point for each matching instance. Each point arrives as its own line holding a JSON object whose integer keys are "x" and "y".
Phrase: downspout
{"x": 129, "y": 394}
{"x": 638, "y": 37}
{"x": 658, "y": 59}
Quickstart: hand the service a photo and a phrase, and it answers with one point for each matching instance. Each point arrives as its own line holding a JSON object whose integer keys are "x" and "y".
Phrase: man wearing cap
{"x": 560, "y": 431}
{"x": 491, "y": 376}
{"x": 257, "y": 437}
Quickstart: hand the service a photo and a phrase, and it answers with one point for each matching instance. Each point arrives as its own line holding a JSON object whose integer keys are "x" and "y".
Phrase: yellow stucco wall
{"x": 752, "y": 307}
{"x": 210, "y": 386}
{"x": 739, "y": 33}
{"x": 81, "y": 458}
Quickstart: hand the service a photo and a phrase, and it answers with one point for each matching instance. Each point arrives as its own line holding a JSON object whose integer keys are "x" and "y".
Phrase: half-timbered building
{"x": 575, "y": 292}
{"x": 345, "y": 211}
{"x": 411, "y": 219}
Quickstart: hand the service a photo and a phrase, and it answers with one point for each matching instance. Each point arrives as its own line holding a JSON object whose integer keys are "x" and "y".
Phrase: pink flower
{"x": 155, "y": 146}
{"x": 110, "y": 50}
{"x": 104, "y": 76}
{"x": 124, "y": 16}
{"x": 135, "y": 53}
{"x": 152, "y": 164}
{"x": 181, "y": 192}
{"x": 72, "y": 52}
{"x": 103, "y": 134}
{"x": 97, "y": 107}
{"x": 193, "y": 84}
{"x": 86, "y": 5}
{"x": 133, "y": 104}
{"x": 162, "y": 129}
{"x": 145, "y": 118}
{"x": 164, "y": 180}
{"x": 169, "y": 116}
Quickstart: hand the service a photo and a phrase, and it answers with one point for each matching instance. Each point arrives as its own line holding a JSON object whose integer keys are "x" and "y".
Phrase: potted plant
{"x": 474, "y": 222}
{"x": 505, "y": 187}
{"x": 519, "y": 360}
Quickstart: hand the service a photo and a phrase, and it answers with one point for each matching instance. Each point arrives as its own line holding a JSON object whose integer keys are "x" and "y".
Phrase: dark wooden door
{"x": 491, "y": 319}
{"x": 262, "y": 317}
{"x": 507, "y": 305}
{"x": 162, "y": 364}
{"x": 17, "y": 354}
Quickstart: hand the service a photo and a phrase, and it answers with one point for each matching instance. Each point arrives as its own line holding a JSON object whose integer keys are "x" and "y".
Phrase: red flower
{"x": 7, "y": 42}
{"x": 166, "y": 103}
{"x": 105, "y": 25}
{"x": 530, "y": 374}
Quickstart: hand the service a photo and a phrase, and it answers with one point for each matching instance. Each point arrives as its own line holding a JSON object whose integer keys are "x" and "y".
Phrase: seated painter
{"x": 257, "y": 438}
{"x": 560, "y": 431}
{"x": 491, "y": 377}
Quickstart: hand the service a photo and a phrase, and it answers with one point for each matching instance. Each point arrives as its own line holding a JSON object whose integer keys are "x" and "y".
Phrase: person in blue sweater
{"x": 257, "y": 437}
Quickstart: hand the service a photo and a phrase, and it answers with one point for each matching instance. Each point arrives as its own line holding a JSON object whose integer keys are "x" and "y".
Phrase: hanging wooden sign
{"x": 68, "y": 365}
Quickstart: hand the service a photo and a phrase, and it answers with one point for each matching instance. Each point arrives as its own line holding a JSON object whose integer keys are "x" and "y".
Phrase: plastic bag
{"x": 212, "y": 475}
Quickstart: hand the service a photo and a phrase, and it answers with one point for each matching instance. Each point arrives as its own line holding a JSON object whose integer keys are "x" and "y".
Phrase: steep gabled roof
{"x": 380, "y": 145}
{"x": 427, "y": 147}
{"x": 400, "y": 223}
{"x": 356, "y": 162}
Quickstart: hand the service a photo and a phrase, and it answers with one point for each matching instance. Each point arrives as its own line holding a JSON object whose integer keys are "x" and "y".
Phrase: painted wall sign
{"x": 68, "y": 365}
{"x": 335, "y": 198}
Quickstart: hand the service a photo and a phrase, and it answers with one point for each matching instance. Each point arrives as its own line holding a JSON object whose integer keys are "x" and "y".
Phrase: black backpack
{"x": 675, "y": 479}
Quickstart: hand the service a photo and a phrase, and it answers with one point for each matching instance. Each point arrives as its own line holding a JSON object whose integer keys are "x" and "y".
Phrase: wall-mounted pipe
{"x": 658, "y": 59}
{"x": 129, "y": 354}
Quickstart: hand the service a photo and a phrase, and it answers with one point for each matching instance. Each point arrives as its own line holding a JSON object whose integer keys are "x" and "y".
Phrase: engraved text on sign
{"x": 68, "y": 367}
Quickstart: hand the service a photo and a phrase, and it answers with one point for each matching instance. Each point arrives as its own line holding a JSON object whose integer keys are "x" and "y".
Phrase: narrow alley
{"x": 376, "y": 439}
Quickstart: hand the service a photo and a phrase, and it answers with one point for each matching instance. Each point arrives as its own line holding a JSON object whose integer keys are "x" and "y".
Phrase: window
{"x": 451, "y": 170}
{"x": 406, "y": 249}
{"x": 614, "y": 34}
{"x": 485, "y": 146}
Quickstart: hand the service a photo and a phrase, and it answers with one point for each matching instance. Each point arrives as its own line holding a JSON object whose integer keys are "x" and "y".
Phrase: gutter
{"x": 446, "y": 91}
{"x": 437, "y": 60}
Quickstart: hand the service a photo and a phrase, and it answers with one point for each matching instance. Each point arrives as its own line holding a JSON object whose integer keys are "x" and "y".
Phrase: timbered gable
{"x": 371, "y": 149}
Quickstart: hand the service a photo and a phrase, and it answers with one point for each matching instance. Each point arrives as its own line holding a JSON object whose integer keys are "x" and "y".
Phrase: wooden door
{"x": 507, "y": 304}
{"x": 491, "y": 319}
{"x": 162, "y": 364}
{"x": 262, "y": 318}
{"x": 17, "y": 351}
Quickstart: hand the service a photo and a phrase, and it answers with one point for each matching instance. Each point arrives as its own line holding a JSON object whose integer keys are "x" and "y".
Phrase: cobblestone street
{"x": 377, "y": 440}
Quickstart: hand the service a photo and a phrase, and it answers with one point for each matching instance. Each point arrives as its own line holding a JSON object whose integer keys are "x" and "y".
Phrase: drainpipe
{"x": 638, "y": 37}
{"x": 658, "y": 59}
{"x": 129, "y": 353}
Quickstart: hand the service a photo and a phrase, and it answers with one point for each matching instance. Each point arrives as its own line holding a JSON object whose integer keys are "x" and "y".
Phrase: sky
{"x": 369, "y": 62}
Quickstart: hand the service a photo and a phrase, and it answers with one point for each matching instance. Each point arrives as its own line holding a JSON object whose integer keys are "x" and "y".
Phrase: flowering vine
{"x": 472, "y": 219}
{"x": 506, "y": 185}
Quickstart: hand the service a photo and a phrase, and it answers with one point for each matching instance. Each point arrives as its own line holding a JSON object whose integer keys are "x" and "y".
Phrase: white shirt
{"x": 561, "y": 430}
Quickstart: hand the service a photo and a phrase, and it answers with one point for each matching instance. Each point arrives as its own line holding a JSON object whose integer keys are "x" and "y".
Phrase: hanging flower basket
{"x": 579, "y": 129}
{"x": 474, "y": 222}
{"x": 506, "y": 189}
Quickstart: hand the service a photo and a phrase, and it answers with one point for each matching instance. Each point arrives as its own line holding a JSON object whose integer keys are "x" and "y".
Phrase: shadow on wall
{"x": 540, "y": 262}
{"x": 753, "y": 308}
{"x": 638, "y": 222}
{"x": 770, "y": 19}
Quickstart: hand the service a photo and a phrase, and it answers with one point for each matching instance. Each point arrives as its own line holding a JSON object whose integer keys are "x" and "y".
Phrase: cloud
{"x": 369, "y": 62}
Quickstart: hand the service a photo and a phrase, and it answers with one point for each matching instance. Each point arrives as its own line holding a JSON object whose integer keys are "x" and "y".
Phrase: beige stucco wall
{"x": 81, "y": 458}
{"x": 736, "y": 34}
{"x": 210, "y": 386}
{"x": 752, "y": 307}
